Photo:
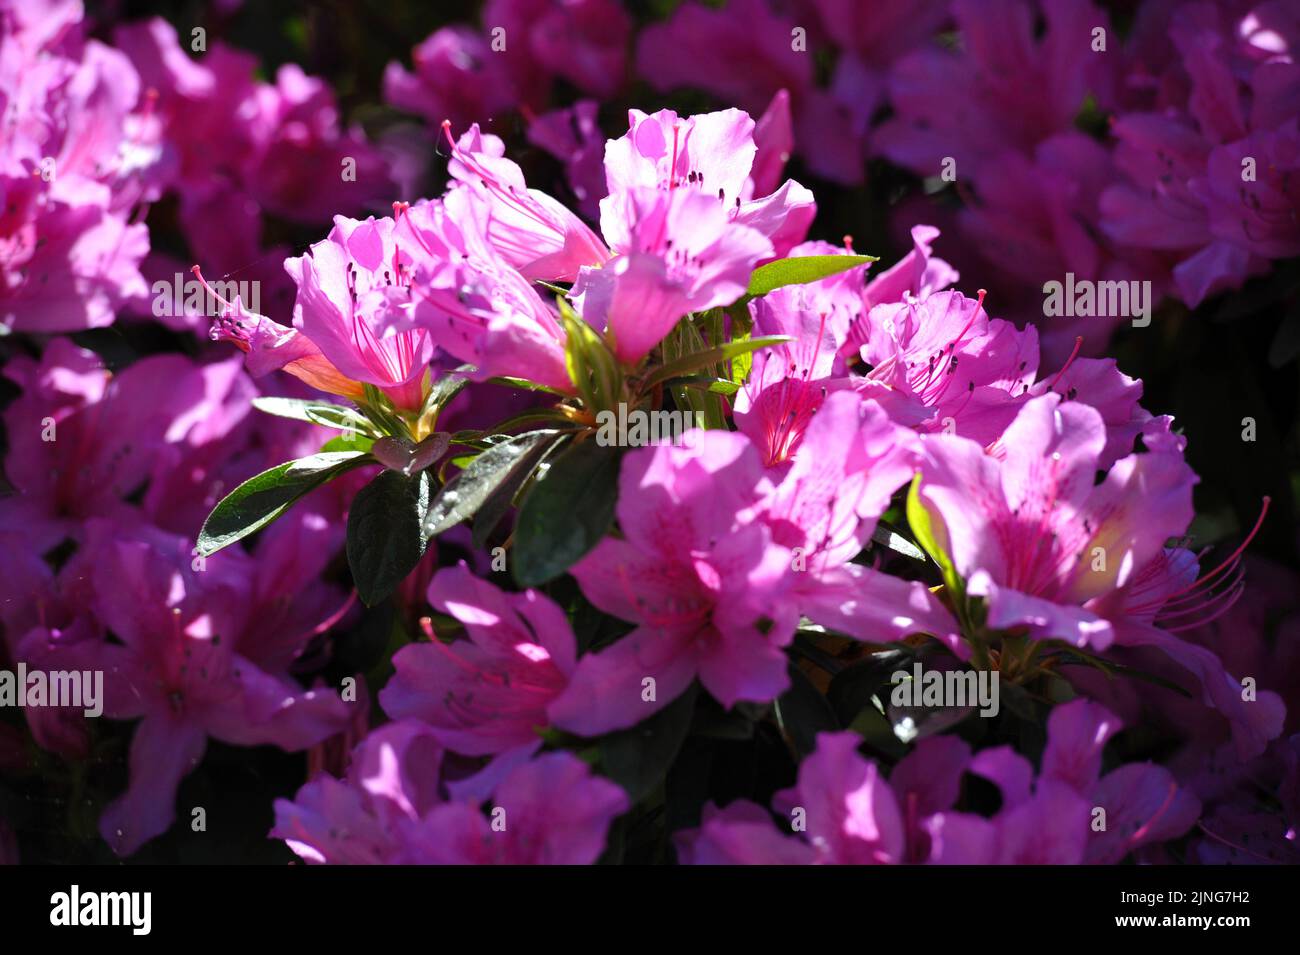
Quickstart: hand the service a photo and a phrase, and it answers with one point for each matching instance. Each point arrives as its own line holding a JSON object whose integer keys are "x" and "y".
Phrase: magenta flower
{"x": 398, "y": 806}
{"x": 269, "y": 346}
{"x": 677, "y": 252}
{"x": 918, "y": 274}
{"x": 787, "y": 383}
{"x": 185, "y": 668}
{"x": 489, "y": 693}
{"x": 457, "y": 77}
{"x": 302, "y": 134}
{"x": 941, "y": 364}
{"x": 581, "y": 41}
{"x": 79, "y": 154}
{"x": 852, "y": 459}
{"x": 353, "y": 305}
{"x": 393, "y": 778}
{"x": 473, "y": 304}
{"x": 573, "y": 137}
{"x": 699, "y": 576}
{"x": 710, "y": 153}
{"x": 745, "y": 54}
{"x": 549, "y": 811}
{"x": 529, "y": 230}
{"x": 739, "y": 834}
{"x": 1224, "y": 101}
{"x": 1052, "y": 819}
{"x": 1168, "y": 597}
{"x": 81, "y": 441}
{"x": 741, "y": 54}
{"x": 1006, "y": 87}
{"x": 843, "y": 811}
{"x": 1035, "y": 535}
{"x": 1261, "y": 215}
{"x": 234, "y": 148}
{"x": 851, "y": 815}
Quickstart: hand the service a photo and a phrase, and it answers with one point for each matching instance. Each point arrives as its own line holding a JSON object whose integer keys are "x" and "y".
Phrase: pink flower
{"x": 1048, "y": 820}
{"x": 353, "y": 306}
{"x": 489, "y": 693}
{"x": 1035, "y": 535}
{"x": 582, "y": 41}
{"x": 269, "y": 346}
{"x": 529, "y": 230}
{"x": 941, "y": 364}
{"x": 302, "y": 134}
{"x": 843, "y": 812}
{"x": 456, "y": 77}
{"x": 1168, "y": 596}
{"x": 549, "y": 811}
{"x": 788, "y": 382}
{"x": 851, "y": 815}
{"x": 711, "y": 153}
{"x": 109, "y": 433}
{"x": 393, "y": 778}
{"x": 1005, "y": 87}
{"x": 741, "y": 54}
{"x": 185, "y": 668}
{"x": 78, "y": 155}
{"x": 699, "y": 576}
{"x": 398, "y": 806}
{"x": 473, "y": 304}
{"x": 573, "y": 137}
{"x": 677, "y": 252}
{"x": 824, "y": 510}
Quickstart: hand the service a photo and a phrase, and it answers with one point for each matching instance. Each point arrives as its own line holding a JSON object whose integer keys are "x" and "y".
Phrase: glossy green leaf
{"x": 384, "y": 537}
{"x": 565, "y": 513}
{"x": 801, "y": 270}
{"x": 261, "y": 499}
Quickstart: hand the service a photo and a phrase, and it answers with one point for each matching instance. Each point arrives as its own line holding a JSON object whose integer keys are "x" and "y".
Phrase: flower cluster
{"x": 1160, "y": 152}
{"x": 908, "y": 588}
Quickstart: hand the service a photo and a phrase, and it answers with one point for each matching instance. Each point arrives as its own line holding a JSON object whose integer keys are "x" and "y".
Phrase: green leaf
{"x": 717, "y": 386}
{"x": 380, "y": 410}
{"x": 638, "y": 758}
{"x": 261, "y": 499}
{"x": 1071, "y": 655}
{"x": 447, "y": 387}
{"x": 801, "y": 270}
{"x": 467, "y": 491}
{"x": 683, "y": 366}
{"x": 591, "y": 367}
{"x": 852, "y": 689}
{"x": 567, "y": 511}
{"x": 548, "y": 416}
{"x": 351, "y": 441}
{"x": 317, "y": 412}
{"x": 384, "y": 538}
{"x": 918, "y": 518}
{"x": 525, "y": 385}
{"x": 802, "y": 712}
{"x": 874, "y": 727}
{"x": 502, "y": 498}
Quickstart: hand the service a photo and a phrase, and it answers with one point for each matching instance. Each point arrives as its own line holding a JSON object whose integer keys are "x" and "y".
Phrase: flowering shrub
{"x": 463, "y": 520}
